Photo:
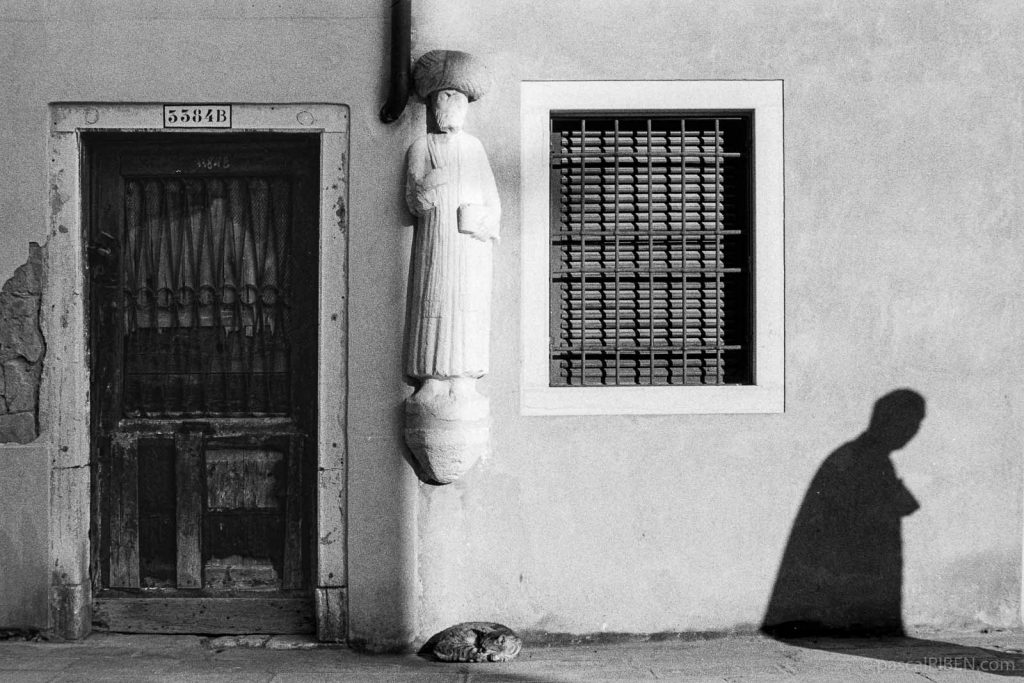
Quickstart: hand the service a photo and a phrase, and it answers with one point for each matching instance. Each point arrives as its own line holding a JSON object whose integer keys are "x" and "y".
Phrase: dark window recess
{"x": 207, "y": 296}
{"x": 651, "y": 246}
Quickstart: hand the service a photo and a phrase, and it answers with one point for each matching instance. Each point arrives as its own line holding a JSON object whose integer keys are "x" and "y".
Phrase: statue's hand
{"x": 476, "y": 221}
{"x": 428, "y": 189}
{"x": 484, "y": 235}
{"x": 425, "y": 200}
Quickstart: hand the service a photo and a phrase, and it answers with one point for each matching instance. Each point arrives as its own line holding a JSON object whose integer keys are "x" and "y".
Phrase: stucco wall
{"x": 241, "y": 52}
{"x": 24, "y": 474}
{"x": 903, "y": 215}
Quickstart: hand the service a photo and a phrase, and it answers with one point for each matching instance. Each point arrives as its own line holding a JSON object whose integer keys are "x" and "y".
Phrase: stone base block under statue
{"x": 447, "y": 428}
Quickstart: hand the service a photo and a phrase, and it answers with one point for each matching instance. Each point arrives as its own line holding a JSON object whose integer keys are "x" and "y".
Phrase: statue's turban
{"x": 450, "y": 70}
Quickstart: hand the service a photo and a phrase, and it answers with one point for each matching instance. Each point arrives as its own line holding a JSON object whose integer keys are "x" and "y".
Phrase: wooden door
{"x": 203, "y": 307}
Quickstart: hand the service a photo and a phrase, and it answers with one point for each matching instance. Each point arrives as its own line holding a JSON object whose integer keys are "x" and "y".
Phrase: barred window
{"x": 650, "y": 245}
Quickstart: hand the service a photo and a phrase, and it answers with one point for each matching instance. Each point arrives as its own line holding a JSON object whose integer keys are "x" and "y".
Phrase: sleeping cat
{"x": 476, "y": 641}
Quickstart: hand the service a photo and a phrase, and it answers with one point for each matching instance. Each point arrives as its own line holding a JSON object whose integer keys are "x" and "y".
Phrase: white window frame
{"x": 764, "y": 100}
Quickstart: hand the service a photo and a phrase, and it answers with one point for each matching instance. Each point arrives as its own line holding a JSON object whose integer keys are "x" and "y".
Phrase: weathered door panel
{"x": 203, "y": 257}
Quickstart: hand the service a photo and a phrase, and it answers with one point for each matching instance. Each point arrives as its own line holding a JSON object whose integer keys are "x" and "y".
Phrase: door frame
{"x": 64, "y": 397}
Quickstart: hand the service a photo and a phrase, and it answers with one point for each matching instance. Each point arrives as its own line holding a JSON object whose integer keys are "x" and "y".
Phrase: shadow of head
{"x": 896, "y": 418}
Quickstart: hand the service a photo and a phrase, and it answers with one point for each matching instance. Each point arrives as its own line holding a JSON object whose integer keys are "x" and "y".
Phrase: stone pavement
{"x": 140, "y": 658}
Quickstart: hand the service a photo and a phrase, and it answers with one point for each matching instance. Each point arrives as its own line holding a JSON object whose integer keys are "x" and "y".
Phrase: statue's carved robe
{"x": 450, "y": 304}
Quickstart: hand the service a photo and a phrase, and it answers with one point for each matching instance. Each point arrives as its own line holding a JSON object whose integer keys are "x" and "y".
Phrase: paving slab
{"x": 113, "y": 658}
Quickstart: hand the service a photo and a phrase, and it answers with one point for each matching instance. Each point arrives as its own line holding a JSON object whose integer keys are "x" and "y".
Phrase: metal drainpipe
{"x": 401, "y": 37}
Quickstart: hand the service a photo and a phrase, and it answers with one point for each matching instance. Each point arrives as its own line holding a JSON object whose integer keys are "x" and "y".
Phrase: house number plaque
{"x": 197, "y": 116}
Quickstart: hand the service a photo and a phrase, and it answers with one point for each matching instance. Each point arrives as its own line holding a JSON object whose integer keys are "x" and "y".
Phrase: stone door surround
{"x": 64, "y": 401}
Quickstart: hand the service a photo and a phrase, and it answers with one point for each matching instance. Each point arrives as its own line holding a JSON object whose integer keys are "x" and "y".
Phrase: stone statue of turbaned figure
{"x": 450, "y": 189}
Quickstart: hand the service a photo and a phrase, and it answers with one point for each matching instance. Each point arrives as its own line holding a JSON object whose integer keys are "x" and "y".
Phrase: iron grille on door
{"x": 206, "y": 296}
{"x": 651, "y": 239}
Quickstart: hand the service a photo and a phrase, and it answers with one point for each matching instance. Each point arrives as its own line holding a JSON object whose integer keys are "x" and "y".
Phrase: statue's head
{"x": 448, "y": 81}
{"x": 449, "y": 108}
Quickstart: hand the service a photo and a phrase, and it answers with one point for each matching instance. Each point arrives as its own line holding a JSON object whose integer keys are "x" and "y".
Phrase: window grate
{"x": 651, "y": 240}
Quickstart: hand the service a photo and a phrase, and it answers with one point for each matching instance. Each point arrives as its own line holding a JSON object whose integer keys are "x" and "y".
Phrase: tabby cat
{"x": 476, "y": 641}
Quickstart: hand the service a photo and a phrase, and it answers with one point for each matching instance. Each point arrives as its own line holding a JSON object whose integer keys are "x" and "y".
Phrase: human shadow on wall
{"x": 841, "y": 576}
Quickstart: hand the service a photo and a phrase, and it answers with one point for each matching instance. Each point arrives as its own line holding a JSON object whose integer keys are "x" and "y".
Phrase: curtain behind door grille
{"x": 650, "y": 251}
{"x": 206, "y": 296}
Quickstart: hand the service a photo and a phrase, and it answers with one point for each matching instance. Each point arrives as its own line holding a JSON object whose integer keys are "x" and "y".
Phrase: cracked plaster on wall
{"x": 22, "y": 350}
